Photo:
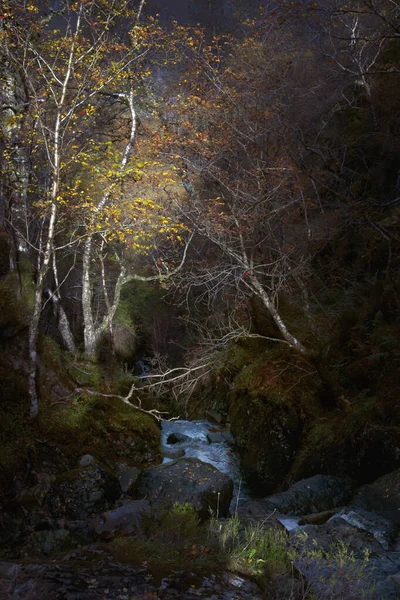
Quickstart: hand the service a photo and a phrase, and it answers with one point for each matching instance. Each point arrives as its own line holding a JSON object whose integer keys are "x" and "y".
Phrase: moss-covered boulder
{"x": 273, "y": 392}
{"x": 186, "y": 480}
{"x": 83, "y": 492}
{"x": 267, "y": 433}
{"x": 355, "y": 441}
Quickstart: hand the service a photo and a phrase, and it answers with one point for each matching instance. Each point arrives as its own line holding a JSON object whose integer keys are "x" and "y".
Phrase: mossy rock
{"x": 66, "y": 430}
{"x": 104, "y": 427}
{"x": 355, "y": 440}
{"x": 267, "y": 433}
{"x": 79, "y": 493}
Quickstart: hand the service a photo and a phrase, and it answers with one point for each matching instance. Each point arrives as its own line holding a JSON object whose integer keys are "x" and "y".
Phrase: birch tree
{"x": 65, "y": 73}
{"x": 244, "y": 192}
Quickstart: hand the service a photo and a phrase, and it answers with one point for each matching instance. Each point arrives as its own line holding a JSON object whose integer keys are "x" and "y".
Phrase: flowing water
{"x": 221, "y": 455}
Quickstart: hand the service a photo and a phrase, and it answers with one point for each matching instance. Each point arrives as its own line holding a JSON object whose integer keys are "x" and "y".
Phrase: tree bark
{"x": 287, "y": 336}
{"x": 62, "y": 321}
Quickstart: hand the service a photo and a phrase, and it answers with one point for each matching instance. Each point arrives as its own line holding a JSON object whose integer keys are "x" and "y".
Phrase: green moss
{"x": 52, "y": 356}
{"x": 124, "y": 314}
{"x": 16, "y": 309}
{"x": 93, "y": 425}
{"x": 71, "y": 425}
{"x": 86, "y": 374}
{"x": 338, "y": 442}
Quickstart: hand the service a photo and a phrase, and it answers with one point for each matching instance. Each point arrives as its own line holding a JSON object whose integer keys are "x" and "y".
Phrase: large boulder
{"x": 127, "y": 479}
{"x": 312, "y": 495}
{"x": 80, "y": 493}
{"x": 347, "y": 560}
{"x": 382, "y": 529}
{"x": 382, "y": 496}
{"x": 126, "y": 519}
{"x": 186, "y": 480}
{"x": 267, "y": 434}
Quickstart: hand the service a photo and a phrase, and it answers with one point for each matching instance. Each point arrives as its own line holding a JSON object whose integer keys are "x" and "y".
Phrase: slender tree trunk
{"x": 44, "y": 263}
{"x": 43, "y": 267}
{"x": 287, "y": 336}
{"x": 89, "y": 331}
{"x": 62, "y": 321}
{"x": 92, "y": 333}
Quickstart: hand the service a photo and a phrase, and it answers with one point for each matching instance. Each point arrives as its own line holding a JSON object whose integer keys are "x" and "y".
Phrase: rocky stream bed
{"x": 58, "y": 536}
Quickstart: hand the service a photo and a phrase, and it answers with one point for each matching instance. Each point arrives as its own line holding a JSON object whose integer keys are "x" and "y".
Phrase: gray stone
{"x": 174, "y": 453}
{"x": 177, "y": 438}
{"x": 82, "y": 578}
{"x": 83, "y": 492}
{"x": 126, "y": 519}
{"x": 128, "y": 478}
{"x": 47, "y": 542}
{"x": 187, "y": 480}
{"x": 216, "y": 416}
{"x": 374, "y": 578}
{"x": 382, "y": 529}
{"x": 219, "y": 437}
{"x": 312, "y": 495}
{"x": 382, "y": 496}
{"x": 86, "y": 460}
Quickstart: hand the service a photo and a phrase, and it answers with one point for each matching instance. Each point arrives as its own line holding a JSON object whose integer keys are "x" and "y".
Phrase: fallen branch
{"x": 158, "y": 415}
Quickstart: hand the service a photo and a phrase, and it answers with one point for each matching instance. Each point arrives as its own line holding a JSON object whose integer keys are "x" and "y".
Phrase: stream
{"x": 222, "y": 454}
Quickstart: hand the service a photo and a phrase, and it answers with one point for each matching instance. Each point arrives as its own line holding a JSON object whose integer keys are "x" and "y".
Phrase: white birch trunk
{"x": 269, "y": 305}
{"x": 93, "y": 332}
{"x": 44, "y": 261}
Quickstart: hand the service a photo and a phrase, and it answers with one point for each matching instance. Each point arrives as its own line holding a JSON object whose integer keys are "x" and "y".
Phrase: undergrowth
{"x": 260, "y": 551}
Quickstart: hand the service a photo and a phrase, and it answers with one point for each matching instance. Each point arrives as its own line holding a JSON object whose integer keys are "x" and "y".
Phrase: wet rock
{"x": 312, "y": 495}
{"x": 107, "y": 578}
{"x": 219, "y": 437}
{"x": 174, "y": 453}
{"x": 382, "y": 496}
{"x": 128, "y": 478}
{"x": 80, "y": 493}
{"x": 256, "y": 510}
{"x": 186, "y": 480}
{"x": 177, "y": 438}
{"x": 382, "y": 529}
{"x": 126, "y": 519}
